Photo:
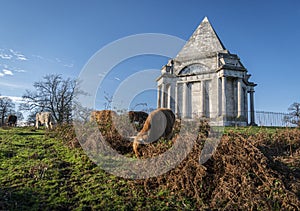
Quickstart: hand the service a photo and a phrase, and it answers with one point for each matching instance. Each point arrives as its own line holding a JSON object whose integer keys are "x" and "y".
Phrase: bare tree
{"x": 108, "y": 100}
{"x": 138, "y": 104}
{"x": 6, "y": 107}
{"x": 19, "y": 115}
{"x": 53, "y": 94}
{"x": 294, "y": 114}
{"x": 31, "y": 118}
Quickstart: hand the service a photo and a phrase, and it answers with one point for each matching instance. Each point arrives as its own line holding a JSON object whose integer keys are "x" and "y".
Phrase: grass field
{"x": 253, "y": 168}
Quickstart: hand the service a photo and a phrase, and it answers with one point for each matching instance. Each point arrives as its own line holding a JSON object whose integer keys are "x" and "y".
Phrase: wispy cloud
{"x": 64, "y": 62}
{"x": 22, "y": 58}
{"x": 10, "y": 69}
{"x": 10, "y": 54}
{"x": 69, "y": 65}
{"x": 60, "y": 61}
{"x": 11, "y": 62}
{"x": 38, "y": 57}
{"x": 14, "y": 99}
{"x": 5, "y": 56}
{"x": 6, "y": 72}
{"x": 20, "y": 71}
{"x": 18, "y": 55}
{"x": 101, "y": 75}
{"x": 14, "y": 62}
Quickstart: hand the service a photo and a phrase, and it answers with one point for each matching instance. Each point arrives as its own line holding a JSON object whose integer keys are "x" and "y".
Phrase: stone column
{"x": 224, "y": 109}
{"x": 176, "y": 101}
{"x": 252, "y": 112}
{"x": 246, "y": 105}
{"x": 158, "y": 96}
{"x": 169, "y": 96}
{"x": 240, "y": 98}
{"x": 184, "y": 100}
{"x": 202, "y": 99}
{"x": 189, "y": 100}
{"x": 219, "y": 108}
{"x": 163, "y": 93}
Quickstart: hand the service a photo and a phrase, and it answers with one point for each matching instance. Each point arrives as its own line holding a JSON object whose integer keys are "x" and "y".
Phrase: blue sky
{"x": 59, "y": 36}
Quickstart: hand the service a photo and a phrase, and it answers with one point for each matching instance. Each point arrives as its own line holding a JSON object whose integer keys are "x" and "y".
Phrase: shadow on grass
{"x": 24, "y": 198}
{"x": 30, "y": 133}
{"x": 18, "y": 199}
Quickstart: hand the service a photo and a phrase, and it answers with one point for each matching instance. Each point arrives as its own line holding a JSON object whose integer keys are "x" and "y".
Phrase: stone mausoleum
{"x": 205, "y": 80}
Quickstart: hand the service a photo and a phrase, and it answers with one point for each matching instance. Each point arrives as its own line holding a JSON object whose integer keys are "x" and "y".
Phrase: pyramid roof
{"x": 204, "y": 41}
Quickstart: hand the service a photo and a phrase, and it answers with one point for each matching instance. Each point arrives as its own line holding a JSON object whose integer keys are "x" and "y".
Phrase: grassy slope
{"x": 38, "y": 172}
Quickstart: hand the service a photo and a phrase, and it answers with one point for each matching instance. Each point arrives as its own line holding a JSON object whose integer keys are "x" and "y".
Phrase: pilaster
{"x": 224, "y": 109}
{"x": 252, "y": 112}
{"x": 163, "y": 93}
{"x": 158, "y": 96}
{"x": 184, "y": 100}
{"x": 240, "y": 97}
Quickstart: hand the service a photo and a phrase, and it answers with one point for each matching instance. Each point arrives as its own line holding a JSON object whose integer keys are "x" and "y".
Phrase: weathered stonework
{"x": 206, "y": 80}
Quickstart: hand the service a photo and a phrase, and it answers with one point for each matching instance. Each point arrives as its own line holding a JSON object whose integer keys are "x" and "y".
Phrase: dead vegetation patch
{"x": 247, "y": 171}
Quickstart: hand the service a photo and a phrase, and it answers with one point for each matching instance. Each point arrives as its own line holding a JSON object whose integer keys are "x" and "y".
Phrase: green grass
{"x": 40, "y": 172}
{"x": 253, "y": 129}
